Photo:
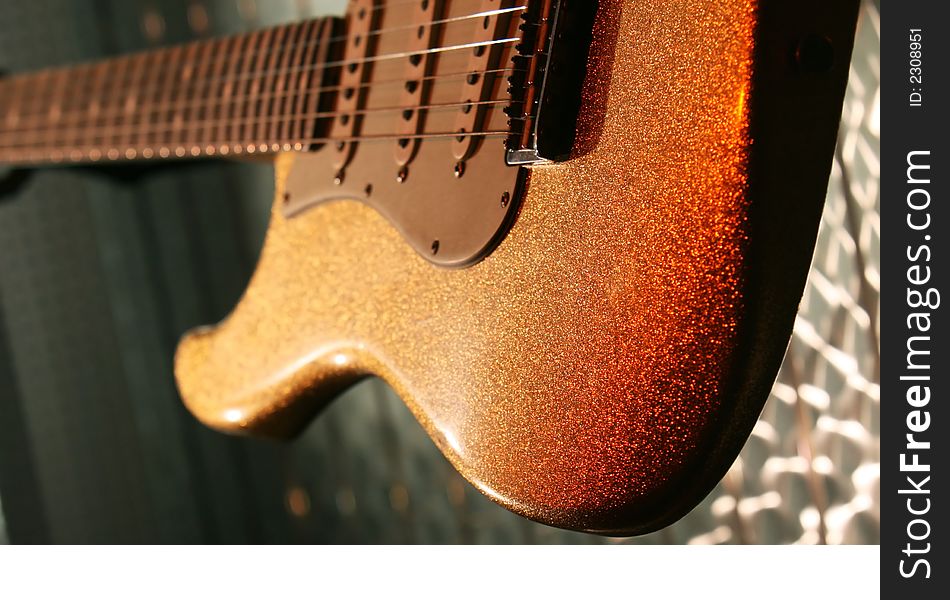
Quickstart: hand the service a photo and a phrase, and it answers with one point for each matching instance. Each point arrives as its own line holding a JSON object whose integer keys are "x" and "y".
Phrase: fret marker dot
{"x": 113, "y": 154}
{"x": 147, "y": 153}
{"x": 225, "y": 150}
{"x": 195, "y": 151}
{"x": 298, "y": 146}
{"x": 130, "y": 153}
{"x": 163, "y": 152}
{"x": 179, "y": 152}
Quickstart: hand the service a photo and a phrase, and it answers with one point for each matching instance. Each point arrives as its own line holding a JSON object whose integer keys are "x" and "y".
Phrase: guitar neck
{"x": 259, "y": 92}
{"x": 398, "y": 72}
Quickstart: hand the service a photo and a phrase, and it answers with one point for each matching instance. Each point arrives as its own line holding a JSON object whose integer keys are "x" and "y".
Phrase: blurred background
{"x": 100, "y": 276}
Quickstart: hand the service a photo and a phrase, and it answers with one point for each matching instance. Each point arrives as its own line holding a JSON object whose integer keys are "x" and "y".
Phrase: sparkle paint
{"x": 578, "y": 370}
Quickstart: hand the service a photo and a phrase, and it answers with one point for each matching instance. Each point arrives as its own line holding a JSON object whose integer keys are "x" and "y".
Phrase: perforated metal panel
{"x": 98, "y": 278}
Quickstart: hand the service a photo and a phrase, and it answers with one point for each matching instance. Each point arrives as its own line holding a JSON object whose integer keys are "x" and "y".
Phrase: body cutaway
{"x": 602, "y": 366}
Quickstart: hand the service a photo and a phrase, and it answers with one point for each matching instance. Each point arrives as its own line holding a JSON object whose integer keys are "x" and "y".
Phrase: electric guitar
{"x": 571, "y": 234}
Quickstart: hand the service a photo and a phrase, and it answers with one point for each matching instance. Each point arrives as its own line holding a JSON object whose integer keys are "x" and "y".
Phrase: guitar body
{"x": 601, "y": 368}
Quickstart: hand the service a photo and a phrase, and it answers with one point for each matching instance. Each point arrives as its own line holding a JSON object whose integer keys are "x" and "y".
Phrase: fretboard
{"x": 392, "y": 73}
{"x": 253, "y": 93}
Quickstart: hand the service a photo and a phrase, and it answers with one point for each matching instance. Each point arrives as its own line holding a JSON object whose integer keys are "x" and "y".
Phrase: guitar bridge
{"x": 548, "y": 82}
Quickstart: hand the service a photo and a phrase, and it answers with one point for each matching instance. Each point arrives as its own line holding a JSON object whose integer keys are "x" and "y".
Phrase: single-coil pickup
{"x": 479, "y": 81}
{"x": 355, "y": 67}
{"x": 420, "y": 63}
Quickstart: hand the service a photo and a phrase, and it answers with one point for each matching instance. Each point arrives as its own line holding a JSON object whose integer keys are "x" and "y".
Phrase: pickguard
{"x": 453, "y": 219}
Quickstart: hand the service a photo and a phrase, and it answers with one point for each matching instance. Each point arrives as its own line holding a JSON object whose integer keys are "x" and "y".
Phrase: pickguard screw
{"x": 402, "y": 175}
{"x": 369, "y": 190}
{"x": 435, "y": 247}
{"x": 339, "y": 177}
{"x": 505, "y": 200}
{"x": 459, "y": 169}
{"x": 286, "y": 197}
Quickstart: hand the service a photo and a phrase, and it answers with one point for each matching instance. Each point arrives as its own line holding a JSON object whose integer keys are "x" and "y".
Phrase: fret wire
{"x": 71, "y": 130}
{"x": 122, "y": 82}
{"x": 257, "y": 56}
{"x": 269, "y": 93}
{"x": 22, "y": 97}
{"x": 270, "y": 87}
{"x": 66, "y": 107}
{"x": 190, "y": 83}
{"x": 137, "y": 116}
{"x": 209, "y": 101}
{"x": 234, "y": 68}
{"x": 95, "y": 154}
{"x": 45, "y": 87}
{"x": 37, "y": 102}
{"x": 102, "y": 133}
{"x": 254, "y": 58}
{"x": 220, "y": 68}
{"x": 296, "y": 56}
{"x": 288, "y": 99}
{"x": 310, "y": 81}
{"x": 379, "y": 7}
{"x": 413, "y": 26}
{"x": 110, "y": 82}
{"x": 152, "y": 101}
{"x": 259, "y": 86}
{"x": 267, "y": 88}
{"x": 48, "y": 137}
{"x": 179, "y": 112}
{"x": 168, "y": 92}
{"x": 130, "y": 97}
{"x": 308, "y": 140}
{"x": 55, "y": 108}
{"x": 410, "y": 26}
{"x": 93, "y": 106}
{"x": 341, "y": 63}
{"x": 205, "y": 65}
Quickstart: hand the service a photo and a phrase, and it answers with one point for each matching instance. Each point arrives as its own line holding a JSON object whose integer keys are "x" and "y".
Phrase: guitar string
{"x": 106, "y": 132}
{"x": 109, "y": 133}
{"x": 79, "y": 117}
{"x": 262, "y": 121}
{"x": 374, "y": 32}
{"x": 300, "y": 69}
{"x": 246, "y": 57}
{"x": 95, "y": 154}
{"x": 209, "y": 59}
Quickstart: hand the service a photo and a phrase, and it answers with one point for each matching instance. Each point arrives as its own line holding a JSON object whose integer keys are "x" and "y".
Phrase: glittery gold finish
{"x": 586, "y": 372}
